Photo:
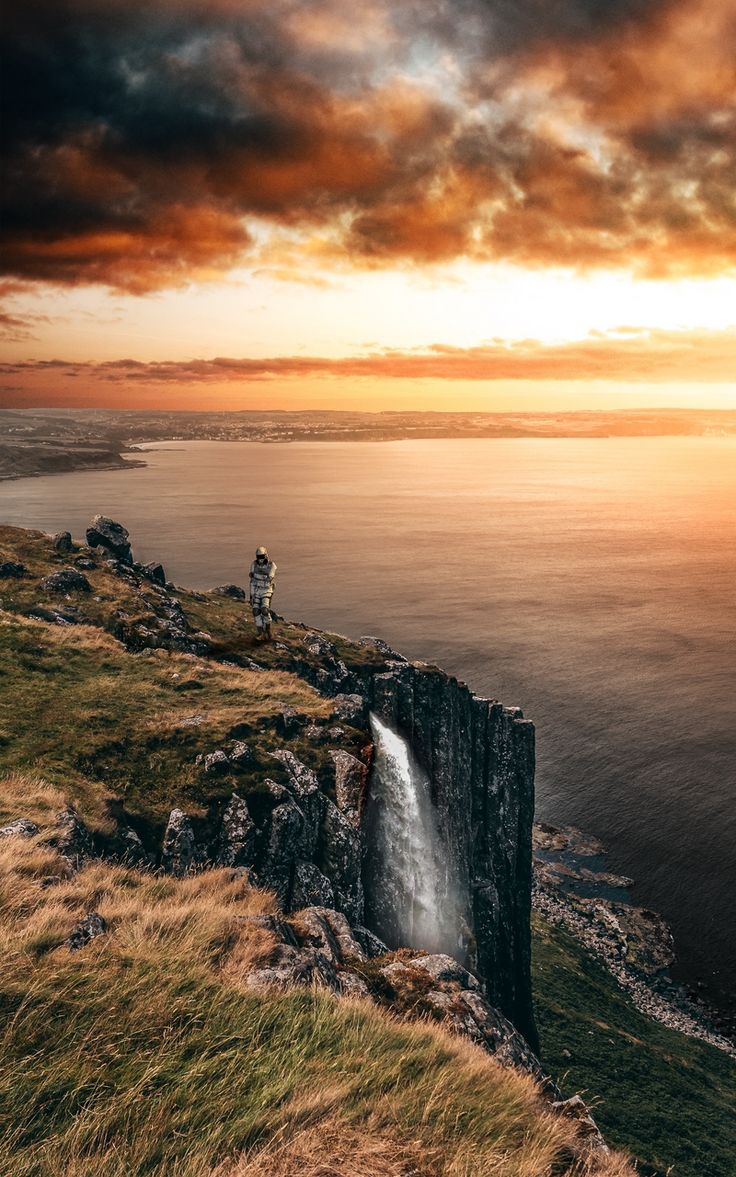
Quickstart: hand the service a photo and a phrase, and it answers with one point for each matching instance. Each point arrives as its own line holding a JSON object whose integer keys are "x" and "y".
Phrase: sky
{"x": 452, "y": 204}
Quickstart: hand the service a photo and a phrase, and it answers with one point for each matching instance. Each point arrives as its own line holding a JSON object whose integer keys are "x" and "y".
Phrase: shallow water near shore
{"x": 592, "y": 582}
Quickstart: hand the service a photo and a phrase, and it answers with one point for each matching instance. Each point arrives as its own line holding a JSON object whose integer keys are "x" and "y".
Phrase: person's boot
{"x": 267, "y": 632}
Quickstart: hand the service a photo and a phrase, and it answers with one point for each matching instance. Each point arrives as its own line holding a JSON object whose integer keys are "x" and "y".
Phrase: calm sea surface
{"x": 592, "y": 582}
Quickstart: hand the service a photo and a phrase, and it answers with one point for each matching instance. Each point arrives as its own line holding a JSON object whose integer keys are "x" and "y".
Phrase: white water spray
{"x": 412, "y": 893}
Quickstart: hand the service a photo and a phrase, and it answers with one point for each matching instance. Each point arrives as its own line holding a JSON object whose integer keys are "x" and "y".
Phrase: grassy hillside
{"x": 146, "y": 1053}
{"x": 666, "y": 1097}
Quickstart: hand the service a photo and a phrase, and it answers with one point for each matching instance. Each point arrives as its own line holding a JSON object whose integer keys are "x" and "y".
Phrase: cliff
{"x": 479, "y": 758}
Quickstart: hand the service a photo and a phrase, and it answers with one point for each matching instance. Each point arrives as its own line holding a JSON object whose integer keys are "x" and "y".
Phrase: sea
{"x": 590, "y": 581}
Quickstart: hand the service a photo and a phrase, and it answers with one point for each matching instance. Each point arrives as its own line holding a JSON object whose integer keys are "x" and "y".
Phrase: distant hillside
{"x": 38, "y": 441}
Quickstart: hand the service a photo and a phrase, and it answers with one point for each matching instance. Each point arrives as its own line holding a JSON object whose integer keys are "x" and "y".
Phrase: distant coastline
{"x": 35, "y": 442}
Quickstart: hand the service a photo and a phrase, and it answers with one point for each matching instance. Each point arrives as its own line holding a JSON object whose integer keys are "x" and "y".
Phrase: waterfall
{"x": 411, "y": 892}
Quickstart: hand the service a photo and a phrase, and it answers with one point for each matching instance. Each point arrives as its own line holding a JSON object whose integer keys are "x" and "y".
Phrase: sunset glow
{"x": 474, "y": 205}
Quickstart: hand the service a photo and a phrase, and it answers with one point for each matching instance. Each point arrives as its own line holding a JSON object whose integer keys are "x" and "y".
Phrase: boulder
{"x": 21, "y": 828}
{"x": 89, "y": 928}
{"x": 66, "y": 580}
{"x": 62, "y": 542}
{"x": 215, "y": 763}
{"x": 240, "y": 755}
{"x": 154, "y": 572}
{"x": 179, "y": 846}
{"x": 369, "y": 942}
{"x": 329, "y": 930}
{"x": 288, "y": 720}
{"x": 234, "y": 591}
{"x": 12, "y": 570}
{"x": 238, "y": 835}
{"x": 72, "y": 838}
{"x": 106, "y": 533}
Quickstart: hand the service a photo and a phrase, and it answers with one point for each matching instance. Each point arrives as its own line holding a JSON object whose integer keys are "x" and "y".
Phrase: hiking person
{"x": 262, "y": 577}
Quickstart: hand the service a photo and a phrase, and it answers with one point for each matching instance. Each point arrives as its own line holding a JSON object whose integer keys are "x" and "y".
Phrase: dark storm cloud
{"x": 143, "y": 140}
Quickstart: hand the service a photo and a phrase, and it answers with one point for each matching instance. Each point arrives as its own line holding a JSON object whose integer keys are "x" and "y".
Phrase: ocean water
{"x": 591, "y": 582}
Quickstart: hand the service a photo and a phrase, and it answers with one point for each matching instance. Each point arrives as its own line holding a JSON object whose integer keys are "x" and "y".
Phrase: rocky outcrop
{"x": 479, "y": 757}
{"x": 72, "y": 838}
{"x": 62, "y": 542}
{"x": 113, "y": 537}
{"x": 179, "y": 850}
{"x": 66, "y": 580}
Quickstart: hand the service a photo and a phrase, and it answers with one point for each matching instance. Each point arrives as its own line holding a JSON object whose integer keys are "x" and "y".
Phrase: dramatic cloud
{"x": 153, "y": 144}
{"x": 627, "y": 354}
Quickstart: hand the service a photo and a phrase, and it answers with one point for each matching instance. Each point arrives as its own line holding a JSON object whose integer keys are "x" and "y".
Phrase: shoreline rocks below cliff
{"x": 574, "y": 890}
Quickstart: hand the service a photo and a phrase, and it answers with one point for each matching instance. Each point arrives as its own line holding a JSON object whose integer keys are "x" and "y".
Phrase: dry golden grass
{"x": 144, "y": 1054}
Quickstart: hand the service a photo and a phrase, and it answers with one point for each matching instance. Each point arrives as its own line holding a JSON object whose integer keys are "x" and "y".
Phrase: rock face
{"x": 106, "y": 533}
{"x": 479, "y": 757}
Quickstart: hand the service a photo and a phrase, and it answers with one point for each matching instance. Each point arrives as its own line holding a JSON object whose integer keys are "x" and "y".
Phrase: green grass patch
{"x": 668, "y": 1098}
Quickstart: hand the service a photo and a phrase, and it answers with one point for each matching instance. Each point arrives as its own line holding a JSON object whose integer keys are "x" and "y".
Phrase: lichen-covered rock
{"x": 62, "y": 542}
{"x": 178, "y": 852}
{"x": 286, "y": 840}
{"x": 12, "y": 570}
{"x": 238, "y": 835}
{"x": 66, "y": 580}
{"x": 329, "y": 930}
{"x": 310, "y": 888}
{"x": 72, "y": 838}
{"x": 350, "y": 708}
{"x": 310, "y": 799}
{"x": 215, "y": 763}
{"x": 351, "y": 777}
{"x": 240, "y": 754}
{"x": 22, "y": 827}
{"x": 382, "y": 647}
{"x": 89, "y": 928}
{"x": 106, "y": 533}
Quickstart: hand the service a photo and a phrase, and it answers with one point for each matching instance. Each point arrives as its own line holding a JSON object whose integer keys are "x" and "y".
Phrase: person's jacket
{"x": 262, "y": 576}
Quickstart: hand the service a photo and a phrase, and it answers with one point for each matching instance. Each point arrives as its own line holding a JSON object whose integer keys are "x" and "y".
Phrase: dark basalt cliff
{"x": 479, "y": 757}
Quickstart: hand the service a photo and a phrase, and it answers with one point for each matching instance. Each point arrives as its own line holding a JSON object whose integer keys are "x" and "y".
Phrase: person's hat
{"x": 261, "y": 552}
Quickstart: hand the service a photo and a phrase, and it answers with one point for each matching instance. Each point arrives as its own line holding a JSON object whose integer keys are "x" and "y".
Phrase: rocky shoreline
{"x": 573, "y": 890}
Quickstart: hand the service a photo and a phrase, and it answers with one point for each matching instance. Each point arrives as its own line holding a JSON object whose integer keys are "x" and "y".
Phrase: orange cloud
{"x": 627, "y": 354}
{"x": 158, "y": 141}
